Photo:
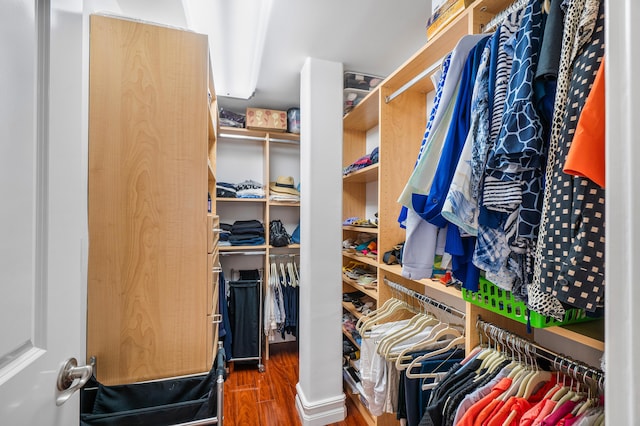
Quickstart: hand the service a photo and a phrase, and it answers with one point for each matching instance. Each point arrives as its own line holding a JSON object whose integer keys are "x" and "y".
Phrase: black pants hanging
{"x": 244, "y": 315}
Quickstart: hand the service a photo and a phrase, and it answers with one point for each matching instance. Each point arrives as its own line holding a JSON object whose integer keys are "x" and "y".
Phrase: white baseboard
{"x": 319, "y": 413}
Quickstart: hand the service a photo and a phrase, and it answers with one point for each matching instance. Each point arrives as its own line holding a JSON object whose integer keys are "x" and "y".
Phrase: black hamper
{"x": 159, "y": 403}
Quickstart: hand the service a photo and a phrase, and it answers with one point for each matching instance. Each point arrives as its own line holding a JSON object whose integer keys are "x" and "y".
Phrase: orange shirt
{"x": 469, "y": 418}
{"x": 587, "y": 151}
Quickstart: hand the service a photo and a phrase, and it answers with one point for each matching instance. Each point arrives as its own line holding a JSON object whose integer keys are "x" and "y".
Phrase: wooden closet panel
{"x": 147, "y": 276}
{"x": 402, "y": 127}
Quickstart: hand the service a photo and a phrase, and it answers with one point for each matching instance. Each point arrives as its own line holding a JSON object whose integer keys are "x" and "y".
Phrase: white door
{"x": 42, "y": 216}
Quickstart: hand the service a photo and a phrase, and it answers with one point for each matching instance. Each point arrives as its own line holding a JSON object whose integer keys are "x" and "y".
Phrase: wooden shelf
{"x": 350, "y": 337}
{"x": 290, "y": 246}
{"x": 212, "y": 173}
{"x": 364, "y": 259}
{"x": 590, "y": 333}
{"x": 213, "y": 120}
{"x": 364, "y": 175}
{"x": 352, "y": 283}
{"x": 241, "y": 200}
{"x": 360, "y": 229}
{"x": 349, "y": 307}
{"x": 366, "y": 415}
{"x": 243, "y": 248}
{"x": 284, "y": 204}
{"x": 364, "y": 116}
{"x": 427, "y": 282}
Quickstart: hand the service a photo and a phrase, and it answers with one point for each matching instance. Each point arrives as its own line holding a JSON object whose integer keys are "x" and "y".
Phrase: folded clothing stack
{"x": 244, "y": 189}
{"x": 284, "y": 190}
{"x": 250, "y": 189}
{"x": 225, "y": 190}
{"x": 225, "y": 233}
{"x": 362, "y": 162}
{"x": 247, "y": 233}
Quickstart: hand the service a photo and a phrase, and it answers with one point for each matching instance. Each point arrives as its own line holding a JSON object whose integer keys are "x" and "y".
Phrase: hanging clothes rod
{"x": 574, "y": 368}
{"x": 257, "y": 138}
{"x": 424, "y": 298}
{"x": 284, "y": 141}
{"x": 244, "y": 252}
{"x": 414, "y": 80}
{"x": 284, "y": 255}
{"x": 245, "y": 137}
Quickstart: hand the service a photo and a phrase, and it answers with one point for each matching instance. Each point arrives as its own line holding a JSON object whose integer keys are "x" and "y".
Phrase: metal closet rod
{"x": 244, "y": 252}
{"x": 284, "y": 255}
{"x": 560, "y": 361}
{"x": 424, "y": 298}
{"x": 257, "y": 138}
{"x": 414, "y": 80}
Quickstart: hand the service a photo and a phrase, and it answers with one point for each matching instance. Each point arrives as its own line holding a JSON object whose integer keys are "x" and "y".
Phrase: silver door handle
{"x": 67, "y": 376}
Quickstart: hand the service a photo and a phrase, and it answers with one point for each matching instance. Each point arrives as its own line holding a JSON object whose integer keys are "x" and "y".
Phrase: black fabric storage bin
{"x": 244, "y": 316}
{"x": 158, "y": 403}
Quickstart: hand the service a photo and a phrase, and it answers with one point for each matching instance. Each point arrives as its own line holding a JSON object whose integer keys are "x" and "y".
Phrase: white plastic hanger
{"x": 418, "y": 324}
{"x": 457, "y": 340}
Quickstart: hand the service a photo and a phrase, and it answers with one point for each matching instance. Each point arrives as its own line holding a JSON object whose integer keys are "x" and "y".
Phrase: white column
{"x": 319, "y": 398}
{"x": 622, "y": 304}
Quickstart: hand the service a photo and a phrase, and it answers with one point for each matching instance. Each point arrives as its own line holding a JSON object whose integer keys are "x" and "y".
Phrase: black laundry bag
{"x": 158, "y": 403}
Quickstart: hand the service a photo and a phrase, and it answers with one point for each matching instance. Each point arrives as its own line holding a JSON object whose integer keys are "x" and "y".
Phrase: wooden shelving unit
{"x": 260, "y": 147}
{"x": 137, "y": 190}
{"x": 396, "y": 112}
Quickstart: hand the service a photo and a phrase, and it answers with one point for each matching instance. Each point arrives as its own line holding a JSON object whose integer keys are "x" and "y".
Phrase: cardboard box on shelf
{"x": 266, "y": 119}
{"x": 444, "y": 16}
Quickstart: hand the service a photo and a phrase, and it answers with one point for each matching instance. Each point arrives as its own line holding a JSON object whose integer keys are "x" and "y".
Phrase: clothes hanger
{"x": 558, "y": 384}
{"x": 404, "y": 355}
{"x": 518, "y": 374}
{"x": 384, "y": 307}
{"x": 566, "y": 396}
{"x": 592, "y": 395}
{"x": 535, "y": 380}
{"x": 453, "y": 343}
{"x": 417, "y": 326}
{"x": 423, "y": 319}
{"x": 392, "y": 310}
{"x": 431, "y": 339}
{"x": 458, "y": 339}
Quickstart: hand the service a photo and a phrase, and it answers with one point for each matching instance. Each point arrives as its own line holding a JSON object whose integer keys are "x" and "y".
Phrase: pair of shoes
{"x": 365, "y": 223}
{"x": 351, "y": 266}
{"x": 369, "y": 250}
{"x": 367, "y": 279}
{"x": 354, "y": 295}
{"x": 356, "y": 221}
{"x": 394, "y": 255}
{"x": 350, "y": 220}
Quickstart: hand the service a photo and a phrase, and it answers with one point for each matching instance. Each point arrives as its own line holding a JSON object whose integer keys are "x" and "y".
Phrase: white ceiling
{"x": 369, "y": 36}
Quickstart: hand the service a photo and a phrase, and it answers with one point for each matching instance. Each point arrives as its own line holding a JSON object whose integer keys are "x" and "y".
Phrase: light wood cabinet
{"x": 400, "y": 124}
{"x": 151, "y": 130}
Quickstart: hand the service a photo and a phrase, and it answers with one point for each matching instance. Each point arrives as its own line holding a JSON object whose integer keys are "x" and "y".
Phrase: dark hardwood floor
{"x": 252, "y": 398}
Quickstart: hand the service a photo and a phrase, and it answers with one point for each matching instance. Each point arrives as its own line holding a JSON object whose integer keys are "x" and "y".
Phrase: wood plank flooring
{"x": 252, "y": 398}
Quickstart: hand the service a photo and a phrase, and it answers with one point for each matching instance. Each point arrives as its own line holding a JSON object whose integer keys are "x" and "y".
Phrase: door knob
{"x": 67, "y": 383}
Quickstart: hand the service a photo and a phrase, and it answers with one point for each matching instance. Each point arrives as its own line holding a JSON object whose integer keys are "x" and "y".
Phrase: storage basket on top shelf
{"x": 495, "y": 299}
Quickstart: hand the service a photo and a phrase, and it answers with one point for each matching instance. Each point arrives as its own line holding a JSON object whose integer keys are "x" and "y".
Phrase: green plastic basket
{"x": 492, "y": 298}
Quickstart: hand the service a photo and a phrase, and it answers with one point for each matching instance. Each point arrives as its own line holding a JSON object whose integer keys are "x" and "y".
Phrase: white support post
{"x": 622, "y": 344}
{"x": 320, "y": 399}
